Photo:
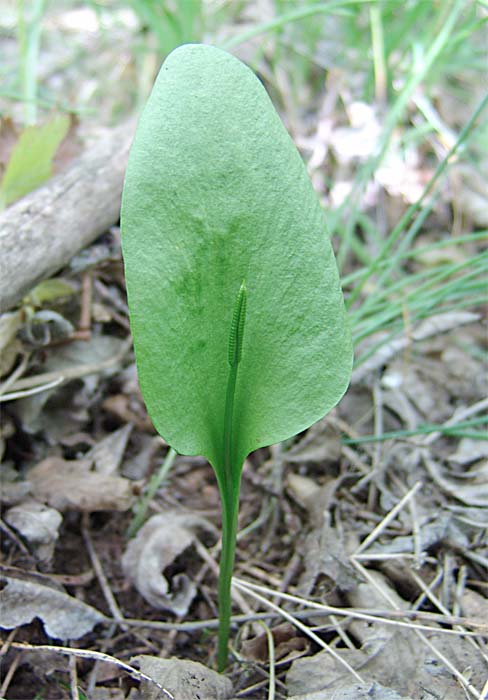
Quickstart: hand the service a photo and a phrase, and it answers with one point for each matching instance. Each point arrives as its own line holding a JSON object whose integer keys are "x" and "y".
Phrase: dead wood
{"x": 40, "y": 233}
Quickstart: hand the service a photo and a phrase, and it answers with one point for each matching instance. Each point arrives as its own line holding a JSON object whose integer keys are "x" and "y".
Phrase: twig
{"x": 384, "y": 617}
{"x": 73, "y": 678}
{"x": 387, "y": 519}
{"x": 272, "y": 660}
{"x": 14, "y": 395}
{"x": 74, "y": 372}
{"x": 102, "y": 579}
{"x": 13, "y": 535}
{"x": 435, "y": 601}
{"x": 10, "y": 673}
{"x": 246, "y": 588}
{"x": 18, "y": 372}
{"x": 459, "y": 676}
{"x": 94, "y": 655}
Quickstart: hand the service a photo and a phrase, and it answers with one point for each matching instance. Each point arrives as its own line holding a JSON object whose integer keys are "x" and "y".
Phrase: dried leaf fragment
{"x": 39, "y": 524}
{"x": 287, "y": 641}
{"x": 157, "y": 544}
{"x": 70, "y": 485}
{"x": 185, "y": 680}
{"x": 63, "y": 616}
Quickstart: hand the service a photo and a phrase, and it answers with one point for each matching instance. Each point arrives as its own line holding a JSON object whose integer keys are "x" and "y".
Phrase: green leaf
{"x": 237, "y": 314}
{"x": 49, "y": 290}
{"x": 215, "y": 194}
{"x": 31, "y": 160}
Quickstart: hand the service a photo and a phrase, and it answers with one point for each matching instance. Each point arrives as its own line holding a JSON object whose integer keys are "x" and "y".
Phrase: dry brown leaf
{"x": 304, "y": 490}
{"x": 474, "y": 605}
{"x": 185, "y": 680}
{"x": 63, "y": 616}
{"x": 129, "y": 411}
{"x": 108, "y": 453}
{"x": 69, "y": 148}
{"x": 321, "y": 443}
{"x": 157, "y": 544}
{"x": 374, "y": 596}
{"x": 38, "y": 524}
{"x": 405, "y": 666}
{"x": 326, "y": 559}
{"x": 70, "y": 485}
{"x": 288, "y": 643}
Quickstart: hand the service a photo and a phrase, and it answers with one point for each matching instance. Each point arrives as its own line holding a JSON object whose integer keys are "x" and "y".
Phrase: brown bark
{"x": 40, "y": 233}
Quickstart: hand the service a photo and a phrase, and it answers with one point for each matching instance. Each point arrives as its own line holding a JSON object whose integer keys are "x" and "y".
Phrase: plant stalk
{"x": 230, "y": 512}
{"x": 229, "y": 483}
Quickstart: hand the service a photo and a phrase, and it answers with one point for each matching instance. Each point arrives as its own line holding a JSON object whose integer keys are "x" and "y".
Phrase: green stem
{"x": 230, "y": 481}
{"x": 230, "y": 512}
{"x": 154, "y": 484}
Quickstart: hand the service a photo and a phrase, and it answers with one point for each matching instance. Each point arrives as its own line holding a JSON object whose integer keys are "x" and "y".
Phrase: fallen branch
{"x": 40, "y": 233}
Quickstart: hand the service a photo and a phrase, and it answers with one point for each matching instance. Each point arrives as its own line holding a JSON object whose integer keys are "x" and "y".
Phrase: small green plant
{"x": 239, "y": 327}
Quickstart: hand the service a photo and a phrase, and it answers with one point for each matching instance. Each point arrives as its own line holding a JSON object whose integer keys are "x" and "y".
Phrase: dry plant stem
{"x": 97, "y": 566}
{"x": 41, "y": 380}
{"x": 107, "y": 592}
{"x": 386, "y": 520}
{"x": 389, "y": 617}
{"x": 459, "y": 676}
{"x": 14, "y": 537}
{"x": 73, "y": 678}
{"x": 435, "y": 600}
{"x": 294, "y": 621}
{"x": 30, "y": 392}
{"x": 386, "y": 617}
{"x": 272, "y": 661}
{"x": 10, "y": 673}
{"x": 95, "y": 656}
{"x": 16, "y": 374}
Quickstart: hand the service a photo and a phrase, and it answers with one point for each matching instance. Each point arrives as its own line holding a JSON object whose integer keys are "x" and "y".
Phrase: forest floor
{"x": 362, "y": 560}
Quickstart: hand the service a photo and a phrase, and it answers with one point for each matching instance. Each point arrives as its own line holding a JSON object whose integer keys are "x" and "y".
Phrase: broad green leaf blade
{"x": 32, "y": 157}
{"x": 215, "y": 194}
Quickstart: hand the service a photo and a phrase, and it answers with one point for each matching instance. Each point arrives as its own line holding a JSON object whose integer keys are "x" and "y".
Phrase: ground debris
{"x": 28, "y": 596}
{"x": 182, "y": 680}
{"x": 158, "y": 543}
{"x": 71, "y": 485}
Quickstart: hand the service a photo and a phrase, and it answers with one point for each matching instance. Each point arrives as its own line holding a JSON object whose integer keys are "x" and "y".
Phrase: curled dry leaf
{"x": 470, "y": 487}
{"x": 63, "y": 616}
{"x": 70, "y": 485}
{"x": 185, "y": 680}
{"x": 38, "y": 524}
{"x": 157, "y": 544}
{"x": 288, "y": 644}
